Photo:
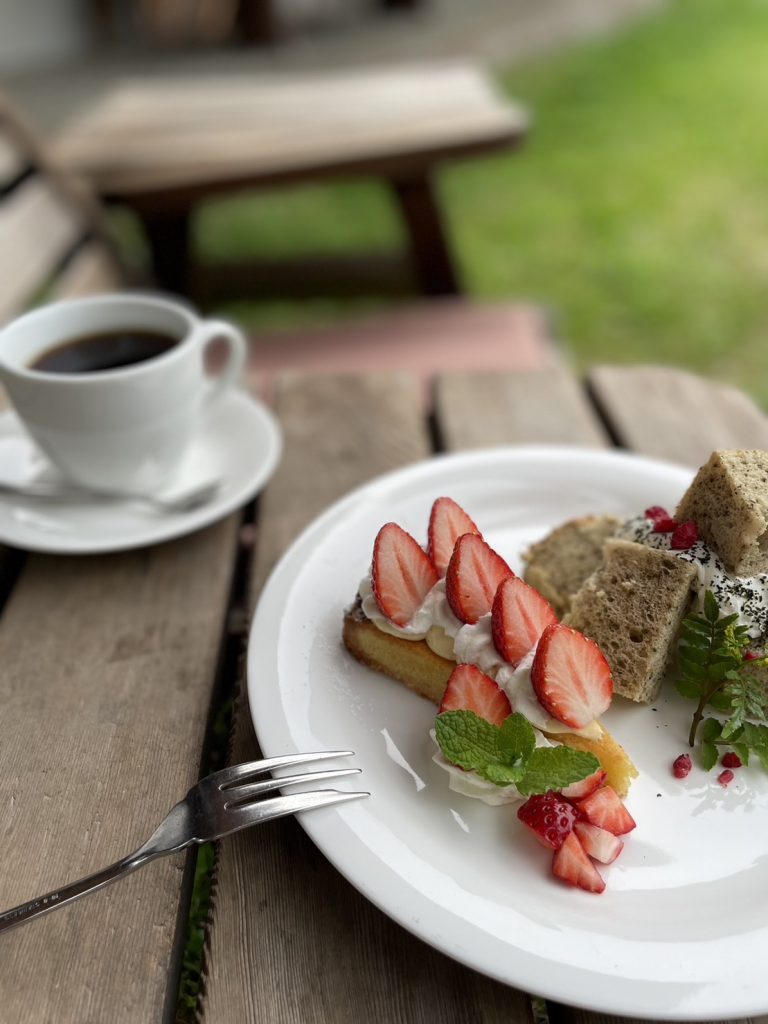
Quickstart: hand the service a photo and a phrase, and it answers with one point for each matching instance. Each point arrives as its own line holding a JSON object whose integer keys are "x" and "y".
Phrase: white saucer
{"x": 239, "y": 444}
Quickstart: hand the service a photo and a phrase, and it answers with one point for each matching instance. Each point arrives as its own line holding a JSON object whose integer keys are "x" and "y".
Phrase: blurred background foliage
{"x": 637, "y": 213}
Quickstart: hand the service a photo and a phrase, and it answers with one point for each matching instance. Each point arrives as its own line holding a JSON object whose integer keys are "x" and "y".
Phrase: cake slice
{"x": 728, "y": 500}
{"x": 414, "y": 664}
{"x": 632, "y": 607}
{"x": 559, "y": 564}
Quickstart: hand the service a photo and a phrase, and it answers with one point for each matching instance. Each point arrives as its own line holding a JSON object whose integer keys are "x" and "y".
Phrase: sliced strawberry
{"x": 518, "y": 618}
{"x": 605, "y": 809}
{"x": 571, "y": 677}
{"x": 402, "y": 574}
{"x": 578, "y": 790}
{"x": 599, "y": 843}
{"x": 572, "y": 865}
{"x": 549, "y": 818}
{"x": 473, "y": 577}
{"x": 447, "y": 522}
{"x": 469, "y": 689}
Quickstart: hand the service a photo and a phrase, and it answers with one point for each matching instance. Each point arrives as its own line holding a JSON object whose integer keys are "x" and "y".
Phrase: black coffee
{"x": 94, "y": 353}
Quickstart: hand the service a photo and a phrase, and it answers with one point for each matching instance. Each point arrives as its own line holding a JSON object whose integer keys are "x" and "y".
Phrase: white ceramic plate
{"x": 239, "y": 443}
{"x": 680, "y": 931}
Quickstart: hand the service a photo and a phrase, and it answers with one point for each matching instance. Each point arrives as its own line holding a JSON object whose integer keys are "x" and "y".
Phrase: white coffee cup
{"x": 125, "y": 428}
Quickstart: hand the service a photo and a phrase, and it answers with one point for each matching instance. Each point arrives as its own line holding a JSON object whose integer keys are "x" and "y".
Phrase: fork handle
{"x": 69, "y": 893}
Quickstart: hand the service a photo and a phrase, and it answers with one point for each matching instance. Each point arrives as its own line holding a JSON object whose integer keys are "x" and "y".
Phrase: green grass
{"x": 638, "y": 211}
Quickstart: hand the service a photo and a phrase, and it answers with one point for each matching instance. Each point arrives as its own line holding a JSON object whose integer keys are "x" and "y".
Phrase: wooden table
{"x": 161, "y": 147}
{"x": 114, "y": 670}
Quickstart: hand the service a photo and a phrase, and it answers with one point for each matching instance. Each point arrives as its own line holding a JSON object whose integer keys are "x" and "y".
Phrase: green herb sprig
{"x": 507, "y": 753}
{"x": 714, "y": 673}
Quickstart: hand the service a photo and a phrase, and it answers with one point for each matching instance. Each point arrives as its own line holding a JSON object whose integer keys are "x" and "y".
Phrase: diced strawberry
{"x": 684, "y": 536}
{"x": 571, "y": 864}
{"x": 549, "y": 818}
{"x": 447, "y": 522}
{"x": 519, "y": 616}
{"x": 725, "y": 778}
{"x": 661, "y": 519}
{"x": 578, "y": 790}
{"x": 599, "y": 843}
{"x": 605, "y": 809}
{"x": 571, "y": 677}
{"x": 401, "y": 573}
{"x": 731, "y": 760}
{"x": 469, "y": 689}
{"x": 473, "y": 577}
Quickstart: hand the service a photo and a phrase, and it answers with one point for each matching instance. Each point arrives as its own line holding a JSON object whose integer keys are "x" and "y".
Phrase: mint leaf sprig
{"x": 714, "y": 673}
{"x": 507, "y": 754}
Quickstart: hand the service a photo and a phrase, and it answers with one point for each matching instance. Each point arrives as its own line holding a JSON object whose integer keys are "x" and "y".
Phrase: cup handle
{"x": 216, "y": 330}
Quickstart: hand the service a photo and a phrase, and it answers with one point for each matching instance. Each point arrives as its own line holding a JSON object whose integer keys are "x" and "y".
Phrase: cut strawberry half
{"x": 469, "y": 689}
{"x": 549, "y": 818}
{"x": 519, "y": 616}
{"x": 599, "y": 843}
{"x": 571, "y": 864}
{"x": 447, "y": 522}
{"x": 571, "y": 677}
{"x": 402, "y": 574}
{"x": 605, "y": 809}
{"x": 473, "y": 577}
{"x": 578, "y": 790}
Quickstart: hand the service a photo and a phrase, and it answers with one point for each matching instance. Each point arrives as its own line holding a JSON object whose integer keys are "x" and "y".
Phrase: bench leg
{"x": 430, "y": 253}
{"x": 168, "y": 235}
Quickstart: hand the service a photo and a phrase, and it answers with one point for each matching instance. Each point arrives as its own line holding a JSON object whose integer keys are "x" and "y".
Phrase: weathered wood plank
{"x": 291, "y": 942}
{"x": 535, "y": 407}
{"x": 108, "y": 666}
{"x": 37, "y": 229}
{"x": 90, "y": 271}
{"x": 144, "y": 137}
{"x": 675, "y": 415}
{"x": 11, "y": 161}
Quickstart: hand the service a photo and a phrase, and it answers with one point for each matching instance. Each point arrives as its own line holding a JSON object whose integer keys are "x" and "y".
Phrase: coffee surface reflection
{"x": 110, "y": 350}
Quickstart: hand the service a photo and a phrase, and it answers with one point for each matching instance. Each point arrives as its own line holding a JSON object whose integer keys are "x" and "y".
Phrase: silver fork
{"x": 218, "y": 805}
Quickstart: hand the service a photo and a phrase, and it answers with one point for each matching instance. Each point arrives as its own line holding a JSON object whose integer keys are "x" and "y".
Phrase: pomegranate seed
{"x": 725, "y": 777}
{"x": 661, "y": 519}
{"x": 751, "y": 656}
{"x": 684, "y": 536}
{"x": 681, "y": 766}
{"x": 731, "y": 760}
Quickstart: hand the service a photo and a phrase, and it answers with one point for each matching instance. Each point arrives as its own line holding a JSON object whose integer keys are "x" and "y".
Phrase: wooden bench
{"x": 52, "y": 241}
{"x": 53, "y": 245}
{"x": 163, "y": 147}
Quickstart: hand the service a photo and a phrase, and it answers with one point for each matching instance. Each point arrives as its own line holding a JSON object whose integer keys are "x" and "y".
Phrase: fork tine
{"x": 240, "y": 772}
{"x": 240, "y": 794}
{"x": 280, "y": 806}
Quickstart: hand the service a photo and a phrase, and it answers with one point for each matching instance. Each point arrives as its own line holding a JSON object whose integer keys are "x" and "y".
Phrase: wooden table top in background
{"x": 113, "y": 668}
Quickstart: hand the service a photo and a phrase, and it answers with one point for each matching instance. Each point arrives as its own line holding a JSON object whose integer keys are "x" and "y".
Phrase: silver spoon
{"x": 74, "y": 494}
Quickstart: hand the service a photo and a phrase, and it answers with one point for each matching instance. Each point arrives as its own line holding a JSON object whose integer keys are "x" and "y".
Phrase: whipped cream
{"x": 745, "y": 596}
{"x": 433, "y": 622}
